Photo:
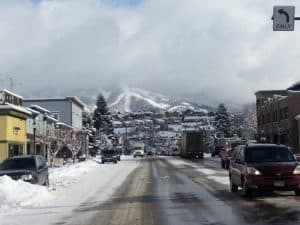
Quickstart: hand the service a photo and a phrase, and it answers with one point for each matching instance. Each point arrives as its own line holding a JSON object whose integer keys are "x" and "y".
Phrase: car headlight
{"x": 26, "y": 177}
{"x": 253, "y": 171}
{"x": 297, "y": 170}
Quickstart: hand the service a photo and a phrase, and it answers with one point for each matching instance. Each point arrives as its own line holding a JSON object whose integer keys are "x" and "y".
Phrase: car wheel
{"x": 222, "y": 164}
{"x": 116, "y": 161}
{"x": 297, "y": 192}
{"x": 247, "y": 193}
{"x": 102, "y": 162}
{"x": 233, "y": 187}
{"x": 46, "y": 184}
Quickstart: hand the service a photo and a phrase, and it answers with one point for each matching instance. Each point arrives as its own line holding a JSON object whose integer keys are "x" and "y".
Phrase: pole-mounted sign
{"x": 284, "y": 18}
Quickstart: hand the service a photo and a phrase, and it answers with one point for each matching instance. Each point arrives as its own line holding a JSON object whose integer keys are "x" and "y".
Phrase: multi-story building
{"x": 276, "y": 116}
{"x": 40, "y": 131}
{"x": 66, "y": 110}
{"x": 12, "y": 125}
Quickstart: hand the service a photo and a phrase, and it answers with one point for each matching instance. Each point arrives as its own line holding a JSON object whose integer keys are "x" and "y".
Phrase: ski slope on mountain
{"x": 124, "y": 100}
{"x": 134, "y": 99}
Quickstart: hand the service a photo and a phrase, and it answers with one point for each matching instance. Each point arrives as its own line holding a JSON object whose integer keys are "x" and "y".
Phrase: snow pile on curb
{"x": 66, "y": 175}
{"x": 14, "y": 194}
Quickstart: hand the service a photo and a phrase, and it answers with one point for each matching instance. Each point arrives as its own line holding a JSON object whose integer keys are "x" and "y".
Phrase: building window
{"x": 285, "y": 112}
{"x": 268, "y": 118}
{"x": 281, "y": 114}
{"x": 14, "y": 150}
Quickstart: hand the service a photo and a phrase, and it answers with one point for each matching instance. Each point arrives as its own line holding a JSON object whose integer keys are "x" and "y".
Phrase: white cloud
{"x": 216, "y": 50}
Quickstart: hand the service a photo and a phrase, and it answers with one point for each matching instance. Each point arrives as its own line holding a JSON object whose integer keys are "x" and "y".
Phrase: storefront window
{"x": 14, "y": 150}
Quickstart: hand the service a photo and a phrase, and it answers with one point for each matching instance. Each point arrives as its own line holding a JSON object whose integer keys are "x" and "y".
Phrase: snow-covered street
{"x": 70, "y": 186}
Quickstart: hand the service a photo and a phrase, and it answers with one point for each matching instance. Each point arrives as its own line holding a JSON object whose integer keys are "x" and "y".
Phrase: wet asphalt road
{"x": 158, "y": 193}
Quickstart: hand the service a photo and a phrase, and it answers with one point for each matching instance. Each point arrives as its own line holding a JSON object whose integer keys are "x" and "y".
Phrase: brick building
{"x": 276, "y": 116}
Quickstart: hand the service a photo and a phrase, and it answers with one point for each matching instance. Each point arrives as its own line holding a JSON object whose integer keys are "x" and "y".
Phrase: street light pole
{"x": 126, "y": 140}
{"x": 34, "y": 134}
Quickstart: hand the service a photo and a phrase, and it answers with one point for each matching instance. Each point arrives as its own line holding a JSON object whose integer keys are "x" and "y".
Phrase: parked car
{"x": 81, "y": 156}
{"x": 29, "y": 168}
{"x": 119, "y": 153}
{"x": 264, "y": 167}
{"x": 109, "y": 155}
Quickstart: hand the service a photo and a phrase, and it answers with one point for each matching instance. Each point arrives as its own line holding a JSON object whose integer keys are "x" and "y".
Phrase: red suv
{"x": 264, "y": 167}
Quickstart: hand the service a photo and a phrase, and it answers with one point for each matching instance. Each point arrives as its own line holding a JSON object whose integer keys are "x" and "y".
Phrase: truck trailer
{"x": 192, "y": 144}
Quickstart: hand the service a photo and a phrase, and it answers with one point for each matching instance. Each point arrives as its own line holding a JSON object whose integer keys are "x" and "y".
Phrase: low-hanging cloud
{"x": 213, "y": 50}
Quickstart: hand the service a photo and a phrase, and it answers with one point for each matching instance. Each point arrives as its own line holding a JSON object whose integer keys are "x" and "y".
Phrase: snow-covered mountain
{"x": 135, "y": 99}
{"x": 125, "y": 99}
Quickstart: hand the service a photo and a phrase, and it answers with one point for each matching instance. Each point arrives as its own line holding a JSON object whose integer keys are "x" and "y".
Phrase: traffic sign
{"x": 283, "y": 18}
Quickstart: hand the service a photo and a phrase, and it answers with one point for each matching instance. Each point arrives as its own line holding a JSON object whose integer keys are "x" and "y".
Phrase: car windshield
{"x": 109, "y": 152}
{"x": 19, "y": 164}
{"x": 268, "y": 154}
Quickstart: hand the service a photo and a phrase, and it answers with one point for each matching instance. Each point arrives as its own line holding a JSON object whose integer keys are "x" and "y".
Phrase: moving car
{"x": 139, "y": 149}
{"x": 264, "y": 167}
{"x": 149, "y": 152}
{"x": 29, "y": 168}
{"x": 109, "y": 155}
{"x": 174, "y": 150}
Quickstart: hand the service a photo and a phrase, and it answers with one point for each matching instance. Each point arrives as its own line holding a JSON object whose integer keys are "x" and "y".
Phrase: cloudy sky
{"x": 211, "y": 49}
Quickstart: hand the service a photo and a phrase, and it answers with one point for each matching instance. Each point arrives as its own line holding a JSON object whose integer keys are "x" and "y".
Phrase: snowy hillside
{"x": 134, "y": 99}
{"x": 125, "y": 99}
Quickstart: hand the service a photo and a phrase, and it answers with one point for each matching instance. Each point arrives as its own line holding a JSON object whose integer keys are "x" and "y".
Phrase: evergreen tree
{"x": 224, "y": 125}
{"x": 102, "y": 118}
{"x": 87, "y": 121}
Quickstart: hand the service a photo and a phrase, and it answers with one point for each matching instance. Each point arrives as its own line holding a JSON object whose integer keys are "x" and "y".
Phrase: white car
{"x": 138, "y": 149}
{"x": 138, "y": 152}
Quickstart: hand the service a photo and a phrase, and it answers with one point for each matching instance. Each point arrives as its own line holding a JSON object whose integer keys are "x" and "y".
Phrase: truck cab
{"x": 139, "y": 150}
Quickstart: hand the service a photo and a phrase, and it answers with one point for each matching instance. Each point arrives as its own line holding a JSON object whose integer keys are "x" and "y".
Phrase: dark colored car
{"x": 264, "y": 167}
{"x": 109, "y": 155}
{"x": 216, "y": 151}
{"x": 149, "y": 152}
{"x": 30, "y": 168}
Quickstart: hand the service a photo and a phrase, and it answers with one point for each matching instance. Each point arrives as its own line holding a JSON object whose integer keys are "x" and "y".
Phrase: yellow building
{"x": 12, "y": 130}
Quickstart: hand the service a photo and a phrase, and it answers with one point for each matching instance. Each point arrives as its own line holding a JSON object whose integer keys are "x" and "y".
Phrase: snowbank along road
{"x": 156, "y": 190}
{"x": 70, "y": 186}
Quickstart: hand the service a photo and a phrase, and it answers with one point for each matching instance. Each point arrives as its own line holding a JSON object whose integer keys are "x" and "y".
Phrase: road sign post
{"x": 283, "y": 18}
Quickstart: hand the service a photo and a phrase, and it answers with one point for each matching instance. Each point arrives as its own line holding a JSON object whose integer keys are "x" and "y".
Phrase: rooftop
{"x": 74, "y": 99}
{"x": 15, "y": 108}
